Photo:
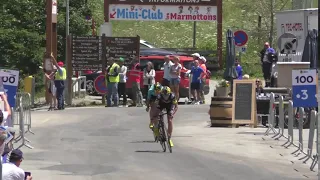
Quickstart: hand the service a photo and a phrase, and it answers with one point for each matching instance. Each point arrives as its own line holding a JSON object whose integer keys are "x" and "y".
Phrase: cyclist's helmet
{"x": 157, "y": 87}
{"x": 166, "y": 91}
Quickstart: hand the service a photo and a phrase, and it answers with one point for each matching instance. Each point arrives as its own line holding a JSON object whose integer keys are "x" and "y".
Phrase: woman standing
{"x": 148, "y": 77}
{"x": 49, "y": 74}
{"x": 175, "y": 76}
{"x": 52, "y": 91}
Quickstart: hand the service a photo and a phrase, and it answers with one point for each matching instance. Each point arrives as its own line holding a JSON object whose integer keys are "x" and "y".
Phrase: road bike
{"x": 163, "y": 137}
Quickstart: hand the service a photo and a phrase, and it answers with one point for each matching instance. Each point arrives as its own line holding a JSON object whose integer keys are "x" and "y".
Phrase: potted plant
{"x": 223, "y": 88}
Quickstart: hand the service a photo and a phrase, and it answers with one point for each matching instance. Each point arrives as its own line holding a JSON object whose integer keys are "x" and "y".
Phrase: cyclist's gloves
{"x": 171, "y": 112}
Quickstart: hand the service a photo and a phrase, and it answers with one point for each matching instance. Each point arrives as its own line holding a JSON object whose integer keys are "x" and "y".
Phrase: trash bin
{"x": 28, "y": 84}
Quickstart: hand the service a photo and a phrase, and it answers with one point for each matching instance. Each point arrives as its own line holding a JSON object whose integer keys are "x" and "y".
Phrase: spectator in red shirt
{"x": 135, "y": 78}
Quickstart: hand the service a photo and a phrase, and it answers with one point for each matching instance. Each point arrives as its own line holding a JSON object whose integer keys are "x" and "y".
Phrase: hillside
{"x": 242, "y": 14}
{"x": 22, "y": 30}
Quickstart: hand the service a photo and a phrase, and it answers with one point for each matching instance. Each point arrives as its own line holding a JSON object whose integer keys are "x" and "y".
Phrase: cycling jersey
{"x": 152, "y": 93}
{"x": 169, "y": 104}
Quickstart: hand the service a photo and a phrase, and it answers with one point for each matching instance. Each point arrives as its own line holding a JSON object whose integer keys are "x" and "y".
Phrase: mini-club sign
{"x": 166, "y": 2}
{"x": 162, "y": 12}
{"x": 304, "y": 88}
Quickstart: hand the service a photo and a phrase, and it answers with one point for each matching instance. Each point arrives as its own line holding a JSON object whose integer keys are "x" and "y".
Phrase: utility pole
{"x": 67, "y": 34}
{"x": 48, "y": 44}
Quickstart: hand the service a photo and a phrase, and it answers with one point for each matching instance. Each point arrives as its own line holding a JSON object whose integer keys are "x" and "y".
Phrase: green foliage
{"x": 223, "y": 83}
{"x": 22, "y": 30}
{"x": 22, "y": 33}
{"x": 79, "y": 10}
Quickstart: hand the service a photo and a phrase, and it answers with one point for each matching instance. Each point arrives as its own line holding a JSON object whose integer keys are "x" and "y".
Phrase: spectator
{"x": 259, "y": 88}
{"x": 112, "y": 80}
{"x": 202, "y": 61}
{"x": 166, "y": 71}
{"x": 11, "y": 170}
{"x": 149, "y": 75}
{"x": 196, "y": 56}
{"x": 122, "y": 83}
{"x": 52, "y": 89}
{"x": 59, "y": 82}
{"x": 175, "y": 71}
{"x": 196, "y": 72}
{"x": 4, "y": 114}
{"x": 238, "y": 69}
{"x": 267, "y": 54}
{"x": 135, "y": 77}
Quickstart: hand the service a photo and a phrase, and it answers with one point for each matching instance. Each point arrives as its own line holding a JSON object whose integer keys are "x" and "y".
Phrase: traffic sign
{"x": 9, "y": 84}
{"x": 304, "y": 88}
{"x": 100, "y": 85}
{"x": 240, "y": 38}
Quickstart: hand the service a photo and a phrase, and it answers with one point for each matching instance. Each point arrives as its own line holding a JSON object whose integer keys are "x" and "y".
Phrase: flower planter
{"x": 222, "y": 91}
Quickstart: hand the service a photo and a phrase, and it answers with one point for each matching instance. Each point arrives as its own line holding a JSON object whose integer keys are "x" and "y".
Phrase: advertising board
{"x": 162, "y": 12}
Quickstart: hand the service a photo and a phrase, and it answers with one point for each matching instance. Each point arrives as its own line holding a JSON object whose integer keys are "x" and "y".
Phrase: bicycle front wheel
{"x": 162, "y": 136}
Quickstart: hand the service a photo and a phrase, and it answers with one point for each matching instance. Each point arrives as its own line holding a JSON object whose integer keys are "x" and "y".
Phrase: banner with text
{"x": 162, "y": 13}
{"x": 9, "y": 82}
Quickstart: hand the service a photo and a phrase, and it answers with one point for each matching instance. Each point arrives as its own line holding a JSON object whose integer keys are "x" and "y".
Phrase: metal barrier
{"x": 271, "y": 117}
{"x": 21, "y": 116}
{"x": 77, "y": 90}
{"x": 290, "y": 117}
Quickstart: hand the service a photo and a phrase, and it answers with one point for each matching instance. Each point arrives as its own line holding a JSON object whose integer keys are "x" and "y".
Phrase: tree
{"x": 21, "y": 35}
{"x": 22, "y": 32}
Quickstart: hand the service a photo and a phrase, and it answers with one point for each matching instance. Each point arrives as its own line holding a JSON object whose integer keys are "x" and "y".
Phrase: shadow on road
{"x": 149, "y": 151}
{"x": 142, "y": 142}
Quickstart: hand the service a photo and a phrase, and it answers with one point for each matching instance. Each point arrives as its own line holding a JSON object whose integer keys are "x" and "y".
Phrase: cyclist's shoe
{"x": 171, "y": 143}
{"x": 151, "y": 126}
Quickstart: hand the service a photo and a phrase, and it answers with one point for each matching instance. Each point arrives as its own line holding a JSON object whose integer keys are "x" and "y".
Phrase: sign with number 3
{"x": 304, "y": 88}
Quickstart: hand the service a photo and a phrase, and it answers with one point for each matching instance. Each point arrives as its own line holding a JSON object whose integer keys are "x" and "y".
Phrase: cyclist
{"x": 166, "y": 100}
{"x": 153, "y": 92}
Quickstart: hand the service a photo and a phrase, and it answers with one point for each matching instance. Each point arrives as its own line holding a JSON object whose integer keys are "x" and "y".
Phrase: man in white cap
{"x": 196, "y": 56}
{"x": 202, "y": 61}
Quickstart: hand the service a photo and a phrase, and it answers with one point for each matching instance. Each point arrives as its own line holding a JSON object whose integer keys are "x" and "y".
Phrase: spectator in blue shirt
{"x": 196, "y": 72}
{"x": 238, "y": 69}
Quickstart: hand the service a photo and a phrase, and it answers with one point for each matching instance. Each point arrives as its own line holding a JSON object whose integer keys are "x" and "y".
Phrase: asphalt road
{"x": 115, "y": 143}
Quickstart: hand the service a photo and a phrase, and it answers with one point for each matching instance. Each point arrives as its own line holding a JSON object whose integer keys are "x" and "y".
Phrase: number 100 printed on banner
{"x": 304, "y": 88}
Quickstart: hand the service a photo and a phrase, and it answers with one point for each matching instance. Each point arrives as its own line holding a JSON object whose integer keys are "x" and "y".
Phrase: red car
{"x": 158, "y": 62}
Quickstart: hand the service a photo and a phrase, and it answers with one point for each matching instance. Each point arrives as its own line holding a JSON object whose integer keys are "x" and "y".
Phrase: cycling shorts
{"x": 159, "y": 108}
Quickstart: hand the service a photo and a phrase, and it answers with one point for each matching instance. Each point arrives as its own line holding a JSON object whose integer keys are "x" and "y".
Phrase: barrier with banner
{"x": 10, "y": 80}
